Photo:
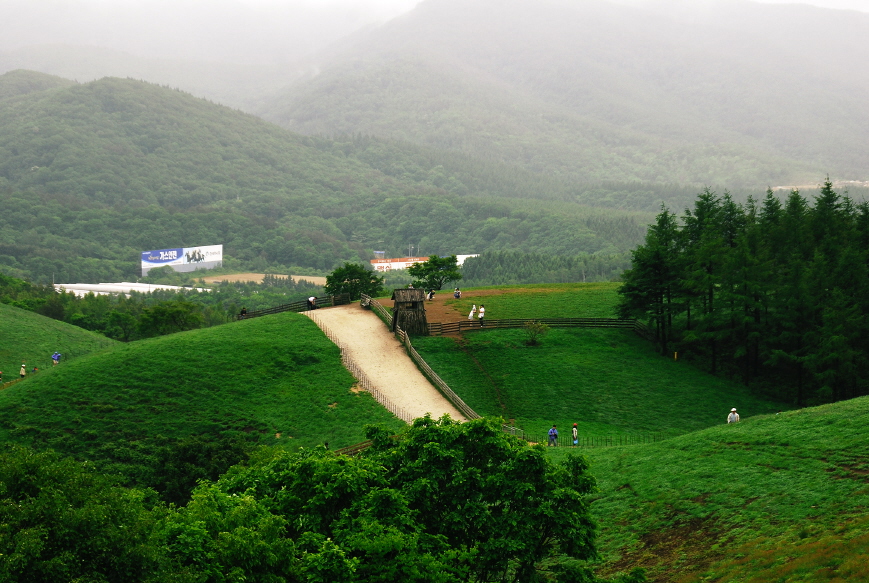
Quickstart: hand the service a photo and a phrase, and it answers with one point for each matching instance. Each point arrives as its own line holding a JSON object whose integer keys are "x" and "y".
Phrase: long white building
{"x": 405, "y": 262}
{"x": 125, "y": 287}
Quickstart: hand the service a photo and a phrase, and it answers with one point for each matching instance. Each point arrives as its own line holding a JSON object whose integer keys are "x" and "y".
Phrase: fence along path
{"x": 380, "y": 363}
{"x": 299, "y": 306}
{"x": 440, "y": 328}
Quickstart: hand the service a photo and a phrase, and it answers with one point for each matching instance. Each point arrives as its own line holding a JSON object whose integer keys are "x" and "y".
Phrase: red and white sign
{"x": 396, "y": 263}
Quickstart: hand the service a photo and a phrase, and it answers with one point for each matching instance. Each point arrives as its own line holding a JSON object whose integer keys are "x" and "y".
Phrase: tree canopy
{"x": 435, "y": 272}
{"x": 354, "y": 279}
{"x": 773, "y": 293}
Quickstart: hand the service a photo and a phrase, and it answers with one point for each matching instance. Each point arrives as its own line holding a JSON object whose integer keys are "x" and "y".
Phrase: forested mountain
{"x": 94, "y": 173}
{"x": 730, "y": 93}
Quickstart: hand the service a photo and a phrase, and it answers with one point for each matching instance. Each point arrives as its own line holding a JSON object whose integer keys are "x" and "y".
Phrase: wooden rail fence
{"x": 300, "y": 306}
{"x": 565, "y": 440}
{"x": 437, "y": 381}
{"x": 440, "y": 328}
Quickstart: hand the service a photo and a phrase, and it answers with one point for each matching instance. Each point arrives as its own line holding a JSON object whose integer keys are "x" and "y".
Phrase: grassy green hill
{"x": 271, "y": 380}
{"x": 32, "y": 339}
{"x": 92, "y": 174}
{"x": 774, "y": 499}
{"x": 610, "y": 382}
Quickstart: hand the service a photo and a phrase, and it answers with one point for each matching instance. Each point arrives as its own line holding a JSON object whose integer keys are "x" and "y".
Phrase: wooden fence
{"x": 440, "y": 328}
{"x": 300, "y": 306}
{"x": 437, "y": 381}
{"x": 378, "y": 308}
{"x": 565, "y": 440}
{"x": 365, "y": 382}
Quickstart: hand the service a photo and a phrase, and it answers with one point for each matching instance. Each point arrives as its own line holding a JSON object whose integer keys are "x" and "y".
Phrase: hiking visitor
{"x": 457, "y": 294}
{"x": 482, "y": 314}
{"x": 575, "y": 435}
{"x": 23, "y": 370}
{"x": 553, "y": 437}
{"x": 733, "y": 417}
{"x": 55, "y": 358}
{"x": 243, "y": 314}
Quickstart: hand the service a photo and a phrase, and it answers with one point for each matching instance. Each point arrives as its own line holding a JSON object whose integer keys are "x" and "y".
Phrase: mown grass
{"x": 773, "y": 499}
{"x": 557, "y": 300}
{"x": 609, "y": 382}
{"x": 32, "y": 339}
{"x": 274, "y": 380}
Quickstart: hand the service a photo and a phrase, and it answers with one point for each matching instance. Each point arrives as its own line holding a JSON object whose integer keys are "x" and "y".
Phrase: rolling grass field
{"x": 609, "y": 382}
{"x": 774, "y": 499}
{"x": 557, "y": 300}
{"x": 275, "y": 380}
{"x": 32, "y": 339}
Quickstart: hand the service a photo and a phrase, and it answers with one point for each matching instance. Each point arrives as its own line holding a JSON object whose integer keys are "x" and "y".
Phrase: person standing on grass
{"x": 482, "y": 314}
{"x": 473, "y": 311}
{"x": 733, "y": 417}
{"x": 23, "y": 372}
{"x": 575, "y": 434}
{"x": 553, "y": 437}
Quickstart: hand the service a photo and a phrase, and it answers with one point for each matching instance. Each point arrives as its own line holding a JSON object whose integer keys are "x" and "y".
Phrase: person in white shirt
{"x": 482, "y": 314}
{"x": 733, "y": 417}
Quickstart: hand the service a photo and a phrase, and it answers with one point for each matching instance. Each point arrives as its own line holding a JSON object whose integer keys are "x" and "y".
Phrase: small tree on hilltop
{"x": 435, "y": 272}
{"x": 354, "y": 279}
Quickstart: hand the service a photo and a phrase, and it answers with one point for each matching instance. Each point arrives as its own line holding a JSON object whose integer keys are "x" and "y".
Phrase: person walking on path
{"x": 575, "y": 435}
{"x": 473, "y": 311}
{"x": 733, "y": 417}
{"x": 23, "y": 372}
{"x": 553, "y": 437}
{"x": 482, "y": 314}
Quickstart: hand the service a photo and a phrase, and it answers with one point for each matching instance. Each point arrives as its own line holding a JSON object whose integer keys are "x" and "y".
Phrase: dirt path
{"x": 382, "y": 358}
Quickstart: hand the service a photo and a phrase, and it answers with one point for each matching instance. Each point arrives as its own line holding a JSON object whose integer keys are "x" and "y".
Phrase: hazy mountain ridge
{"x": 640, "y": 73}
{"x": 91, "y": 174}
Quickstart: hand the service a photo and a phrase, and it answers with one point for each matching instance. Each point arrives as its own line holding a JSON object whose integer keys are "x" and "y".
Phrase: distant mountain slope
{"x": 96, "y": 172}
{"x": 19, "y": 82}
{"x": 230, "y": 84}
{"x": 734, "y": 93}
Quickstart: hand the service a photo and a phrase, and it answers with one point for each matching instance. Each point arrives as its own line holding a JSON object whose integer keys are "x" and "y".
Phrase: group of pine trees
{"x": 774, "y": 293}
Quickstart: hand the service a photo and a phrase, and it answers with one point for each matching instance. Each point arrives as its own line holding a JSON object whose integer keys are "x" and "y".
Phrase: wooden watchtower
{"x": 408, "y": 311}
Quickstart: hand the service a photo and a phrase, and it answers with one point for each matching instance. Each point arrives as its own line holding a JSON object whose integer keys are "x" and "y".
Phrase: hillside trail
{"x": 370, "y": 345}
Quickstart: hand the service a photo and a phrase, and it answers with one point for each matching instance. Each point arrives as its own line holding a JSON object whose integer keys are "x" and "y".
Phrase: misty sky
{"x": 244, "y": 31}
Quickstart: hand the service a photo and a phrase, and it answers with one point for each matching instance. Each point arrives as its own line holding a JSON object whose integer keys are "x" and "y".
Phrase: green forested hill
{"x": 707, "y": 93}
{"x": 93, "y": 174}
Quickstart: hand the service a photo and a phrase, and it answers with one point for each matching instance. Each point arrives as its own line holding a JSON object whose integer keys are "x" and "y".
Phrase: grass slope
{"x": 32, "y": 339}
{"x": 608, "y": 381}
{"x": 276, "y": 379}
{"x": 776, "y": 498}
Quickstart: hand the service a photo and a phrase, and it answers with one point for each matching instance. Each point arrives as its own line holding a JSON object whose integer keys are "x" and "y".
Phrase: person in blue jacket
{"x": 553, "y": 436}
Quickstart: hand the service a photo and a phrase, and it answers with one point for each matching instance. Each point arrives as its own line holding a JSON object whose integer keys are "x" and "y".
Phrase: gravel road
{"x": 373, "y": 348}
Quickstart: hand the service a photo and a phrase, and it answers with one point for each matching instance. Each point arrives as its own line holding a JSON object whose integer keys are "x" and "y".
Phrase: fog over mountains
{"x": 728, "y": 93}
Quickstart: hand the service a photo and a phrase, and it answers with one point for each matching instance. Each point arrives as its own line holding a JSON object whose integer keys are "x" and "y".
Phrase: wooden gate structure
{"x": 408, "y": 312}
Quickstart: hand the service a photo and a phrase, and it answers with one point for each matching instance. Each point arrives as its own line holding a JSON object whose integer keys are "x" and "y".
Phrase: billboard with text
{"x": 183, "y": 259}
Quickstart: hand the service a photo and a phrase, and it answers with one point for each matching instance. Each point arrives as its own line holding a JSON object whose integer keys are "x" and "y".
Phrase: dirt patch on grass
{"x": 258, "y": 278}
{"x": 669, "y": 555}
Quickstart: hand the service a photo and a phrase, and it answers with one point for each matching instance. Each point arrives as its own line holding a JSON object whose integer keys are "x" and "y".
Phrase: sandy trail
{"x": 382, "y": 358}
